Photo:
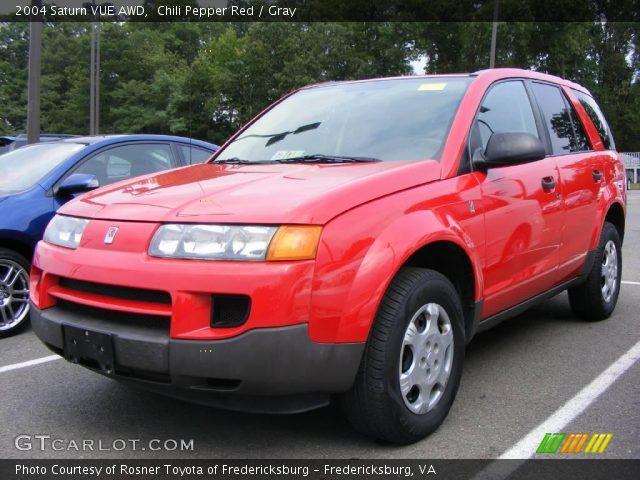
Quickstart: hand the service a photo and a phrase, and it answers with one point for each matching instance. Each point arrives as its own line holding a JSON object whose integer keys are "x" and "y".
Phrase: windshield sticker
{"x": 430, "y": 87}
{"x": 282, "y": 154}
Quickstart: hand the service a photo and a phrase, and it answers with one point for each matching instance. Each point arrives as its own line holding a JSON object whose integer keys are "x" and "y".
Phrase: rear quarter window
{"x": 565, "y": 133}
{"x": 193, "y": 155}
{"x": 597, "y": 117}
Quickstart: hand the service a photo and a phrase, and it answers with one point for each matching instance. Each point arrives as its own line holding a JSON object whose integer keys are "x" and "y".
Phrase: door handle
{"x": 548, "y": 183}
{"x": 597, "y": 175}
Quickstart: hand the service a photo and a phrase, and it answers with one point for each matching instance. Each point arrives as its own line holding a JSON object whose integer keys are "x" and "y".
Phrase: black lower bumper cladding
{"x": 271, "y": 370}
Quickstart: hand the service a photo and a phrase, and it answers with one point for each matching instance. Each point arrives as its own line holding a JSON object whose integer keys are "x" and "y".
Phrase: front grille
{"x": 126, "y": 319}
{"x": 122, "y": 293}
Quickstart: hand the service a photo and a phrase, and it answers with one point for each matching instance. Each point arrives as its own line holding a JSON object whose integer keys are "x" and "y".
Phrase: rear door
{"x": 581, "y": 174}
{"x": 522, "y": 204}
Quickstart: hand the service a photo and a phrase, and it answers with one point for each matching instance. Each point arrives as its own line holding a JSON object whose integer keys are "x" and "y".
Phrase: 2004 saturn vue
{"x": 348, "y": 243}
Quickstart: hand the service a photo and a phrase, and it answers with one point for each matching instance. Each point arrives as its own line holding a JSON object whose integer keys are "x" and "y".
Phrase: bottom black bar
{"x": 564, "y": 469}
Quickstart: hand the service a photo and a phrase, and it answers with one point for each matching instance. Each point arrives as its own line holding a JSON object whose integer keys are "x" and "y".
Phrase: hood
{"x": 264, "y": 194}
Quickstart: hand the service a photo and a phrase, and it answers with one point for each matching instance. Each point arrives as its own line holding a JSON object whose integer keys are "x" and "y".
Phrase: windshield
{"x": 401, "y": 119}
{"x": 21, "y": 169}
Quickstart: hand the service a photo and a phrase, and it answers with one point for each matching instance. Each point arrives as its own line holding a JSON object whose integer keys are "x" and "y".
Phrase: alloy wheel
{"x": 14, "y": 294}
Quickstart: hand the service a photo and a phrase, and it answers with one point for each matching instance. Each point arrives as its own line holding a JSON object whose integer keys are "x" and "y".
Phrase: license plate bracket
{"x": 89, "y": 348}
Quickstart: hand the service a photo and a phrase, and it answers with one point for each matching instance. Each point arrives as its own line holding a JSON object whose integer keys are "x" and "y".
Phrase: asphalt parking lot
{"x": 516, "y": 377}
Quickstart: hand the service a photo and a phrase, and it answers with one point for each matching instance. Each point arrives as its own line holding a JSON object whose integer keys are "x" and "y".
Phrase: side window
{"x": 506, "y": 108}
{"x": 559, "y": 120}
{"x": 126, "y": 161}
{"x": 582, "y": 142}
{"x": 596, "y": 116}
{"x": 193, "y": 155}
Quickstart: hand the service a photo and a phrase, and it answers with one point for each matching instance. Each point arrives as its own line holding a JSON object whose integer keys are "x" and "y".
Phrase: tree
{"x": 14, "y": 45}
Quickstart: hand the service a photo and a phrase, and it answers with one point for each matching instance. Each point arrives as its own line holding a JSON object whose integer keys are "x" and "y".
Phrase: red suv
{"x": 350, "y": 240}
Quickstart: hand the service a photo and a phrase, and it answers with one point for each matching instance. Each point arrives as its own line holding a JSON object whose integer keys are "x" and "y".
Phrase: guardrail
{"x": 631, "y": 159}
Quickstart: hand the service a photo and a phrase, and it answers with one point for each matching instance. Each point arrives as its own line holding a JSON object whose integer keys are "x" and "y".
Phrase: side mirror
{"x": 510, "y": 148}
{"x": 78, "y": 183}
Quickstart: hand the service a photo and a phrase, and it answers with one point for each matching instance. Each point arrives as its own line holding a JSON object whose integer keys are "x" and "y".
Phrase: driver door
{"x": 522, "y": 205}
{"x": 122, "y": 162}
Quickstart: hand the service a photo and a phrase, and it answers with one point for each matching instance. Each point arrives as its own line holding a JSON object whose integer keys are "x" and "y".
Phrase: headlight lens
{"x": 236, "y": 242}
{"x": 212, "y": 242}
{"x": 65, "y": 231}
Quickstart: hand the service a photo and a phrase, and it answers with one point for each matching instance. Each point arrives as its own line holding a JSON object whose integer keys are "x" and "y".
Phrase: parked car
{"x": 5, "y": 143}
{"x": 11, "y": 143}
{"x": 349, "y": 241}
{"x": 37, "y": 179}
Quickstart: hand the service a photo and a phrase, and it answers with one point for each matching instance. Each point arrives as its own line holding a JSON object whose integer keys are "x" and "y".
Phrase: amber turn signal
{"x": 294, "y": 242}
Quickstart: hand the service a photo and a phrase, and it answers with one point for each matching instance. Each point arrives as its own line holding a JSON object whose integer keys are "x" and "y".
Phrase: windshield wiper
{"x": 240, "y": 161}
{"x": 322, "y": 158}
{"x": 276, "y": 137}
{"x": 314, "y": 158}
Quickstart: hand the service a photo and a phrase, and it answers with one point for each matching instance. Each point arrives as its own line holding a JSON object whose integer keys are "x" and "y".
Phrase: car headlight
{"x": 65, "y": 231}
{"x": 235, "y": 242}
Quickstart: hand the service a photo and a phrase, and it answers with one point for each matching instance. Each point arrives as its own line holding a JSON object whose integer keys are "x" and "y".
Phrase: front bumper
{"x": 279, "y": 292}
{"x": 266, "y": 369}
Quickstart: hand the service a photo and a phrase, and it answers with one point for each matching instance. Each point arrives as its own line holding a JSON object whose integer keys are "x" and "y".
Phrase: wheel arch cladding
{"x": 351, "y": 278}
{"x": 615, "y": 216}
{"x": 17, "y": 246}
{"x": 451, "y": 260}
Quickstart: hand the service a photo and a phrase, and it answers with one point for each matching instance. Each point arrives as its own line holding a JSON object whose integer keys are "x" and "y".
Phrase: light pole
{"x": 94, "y": 74}
{"x": 494, "y": 34}
{"x": 33, "y": 94}
{"x": 92, "y": 81}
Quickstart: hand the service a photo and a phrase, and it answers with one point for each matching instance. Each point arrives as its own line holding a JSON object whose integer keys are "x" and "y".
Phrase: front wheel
{"x": 412, "y": 363}
{"x": 14, "y": 292}
{"x": 596, "y": 298}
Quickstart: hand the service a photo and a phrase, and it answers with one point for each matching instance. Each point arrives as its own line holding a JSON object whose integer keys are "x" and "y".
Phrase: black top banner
{"x": 322, "y": 10}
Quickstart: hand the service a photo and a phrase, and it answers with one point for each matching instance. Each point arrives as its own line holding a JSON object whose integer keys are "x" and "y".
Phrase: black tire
{"x": 375, "y": 405}
{"x": 587, "y": 299}
{"x": 7, "y": 256}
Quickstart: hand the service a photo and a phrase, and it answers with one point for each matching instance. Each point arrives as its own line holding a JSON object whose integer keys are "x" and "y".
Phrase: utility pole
{"x": 92, "y": 82}
{"x": 494, "y": 34}
{"x": 94, "y": 74}
{"x": 97, "y": 107}
{"x": 33, "y": 95}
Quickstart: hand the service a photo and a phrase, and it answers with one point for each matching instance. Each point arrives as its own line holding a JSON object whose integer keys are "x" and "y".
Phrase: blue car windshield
{"x": 22, "y": 168}
{"x": 393, "y": 119}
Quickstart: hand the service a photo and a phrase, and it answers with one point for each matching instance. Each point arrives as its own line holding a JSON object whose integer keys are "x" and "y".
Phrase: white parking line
{"x": 526, "y": 447}
{"x": 629, "y": 282}
{"x": 36, "y": 361}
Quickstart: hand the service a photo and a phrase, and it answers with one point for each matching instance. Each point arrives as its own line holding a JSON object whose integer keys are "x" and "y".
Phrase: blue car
{"x": 37, "y": 179}
{"x": 5, "y": 143}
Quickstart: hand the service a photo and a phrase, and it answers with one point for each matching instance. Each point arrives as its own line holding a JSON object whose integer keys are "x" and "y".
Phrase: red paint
{"x": 520, "y": 239}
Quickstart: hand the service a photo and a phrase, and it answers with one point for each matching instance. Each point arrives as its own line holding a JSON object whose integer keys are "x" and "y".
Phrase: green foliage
{"x": 207, "y": 79}
{"x": 14, "y": 45}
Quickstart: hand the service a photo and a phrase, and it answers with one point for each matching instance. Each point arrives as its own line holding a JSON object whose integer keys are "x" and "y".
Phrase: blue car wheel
{"x": 14, "y": 292}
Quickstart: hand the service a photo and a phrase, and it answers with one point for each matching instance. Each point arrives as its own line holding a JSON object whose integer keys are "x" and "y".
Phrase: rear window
{"x": 596, "y": 116}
